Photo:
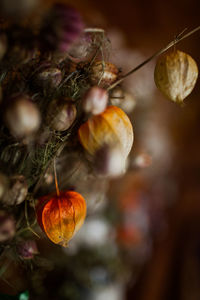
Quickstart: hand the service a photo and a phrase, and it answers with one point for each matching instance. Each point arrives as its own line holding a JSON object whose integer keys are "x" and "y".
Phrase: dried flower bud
{"x": 61, "y": 115}
{"x": 22, "y": 117}
{"x": 103, "y": 74}
{"x": 109, "y": 161}
{"x": 175, "y": 75}
{"x": 17, "y": 191}
{"x": 3, "y": 185}
{"x": 60, "y": 28}
{"x": 48, "y": 78}
{"x": 95, "y": 100}
{"x": 27, "y": 249}
{"x": 7, "y": 226}
{"x": 82, "y": 49}
{"x": 122, "y": 99}
{"x": 3, "y": 45}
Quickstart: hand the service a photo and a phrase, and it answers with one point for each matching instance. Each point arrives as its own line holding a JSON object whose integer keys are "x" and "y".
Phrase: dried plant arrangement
{"x": 61, "y": 105}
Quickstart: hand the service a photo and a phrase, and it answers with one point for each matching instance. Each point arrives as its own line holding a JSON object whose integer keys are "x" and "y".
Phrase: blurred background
{"x": 141, "y": 239}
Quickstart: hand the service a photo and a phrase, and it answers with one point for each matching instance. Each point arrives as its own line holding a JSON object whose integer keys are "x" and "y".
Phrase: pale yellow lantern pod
{"x": 175, "y": 75}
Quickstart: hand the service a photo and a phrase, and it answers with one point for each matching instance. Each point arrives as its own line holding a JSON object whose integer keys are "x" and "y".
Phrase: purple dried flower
{"x": 60, "y": 28}
{"x": 27, "y": 249}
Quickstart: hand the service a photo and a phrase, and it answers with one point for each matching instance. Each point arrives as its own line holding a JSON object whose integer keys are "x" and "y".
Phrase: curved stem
{"x": 56, "y": 179}
{"x": 179, "y": 38}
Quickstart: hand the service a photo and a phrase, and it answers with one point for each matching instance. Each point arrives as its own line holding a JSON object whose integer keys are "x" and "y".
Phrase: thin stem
{"x": 179, "y": 38}
{"x": 56, "y": 179}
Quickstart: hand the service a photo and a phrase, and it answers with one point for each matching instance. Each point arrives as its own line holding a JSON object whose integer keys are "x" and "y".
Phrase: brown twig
{"x": 179, "y": 38}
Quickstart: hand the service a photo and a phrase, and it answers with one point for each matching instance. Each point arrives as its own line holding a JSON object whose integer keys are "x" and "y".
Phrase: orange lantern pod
{"x": 61, "y": 215}
{"x": 112, "y": 128}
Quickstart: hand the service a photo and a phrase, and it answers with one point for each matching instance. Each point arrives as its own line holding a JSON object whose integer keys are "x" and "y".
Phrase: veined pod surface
{"x": 175, "y": 75}
{"x": 112, "y": 128}
{"x": 61, "y": 216}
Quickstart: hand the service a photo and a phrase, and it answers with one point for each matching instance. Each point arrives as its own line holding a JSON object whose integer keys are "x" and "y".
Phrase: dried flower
{"x": 103, "y": 74}
{"x": 27, "y": 249}
{"x": 95, "y": 100}
{"x": 22, "y": 116}
{"x": 61, "y": 115}
{"x": 48, "y": 77}
{"x": 17, "y": 191}
{"x": 175, "y": 75}
{"x": 7, "y": 226}
{"x": 112, "y": 128}
{"x": 61, "y": 216}
{"x": 60, "y": 28}
{"x": 82, "y": 49}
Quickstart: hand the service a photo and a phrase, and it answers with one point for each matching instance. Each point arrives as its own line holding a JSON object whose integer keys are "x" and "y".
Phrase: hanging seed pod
{"x": 61, "y": 27}
{"x": 7, "y": 226}
{"x": 3, "y": 45}
{"x": 175, "y": 75}
{"x": 61, "y": 216}
{"x": 48, "y": 78}
{"x": 27, "y": 249}
{"x": 95, "y": 100}
{"x": 17, "y": 191}
{"x": 103, "y": 74}
{"x": 122, "y": 99}
{"x": 61, "y": 115}
{"x": 22, "y": 116}
{"x": 112, "y": 128}
{"x": 109, "y": 161}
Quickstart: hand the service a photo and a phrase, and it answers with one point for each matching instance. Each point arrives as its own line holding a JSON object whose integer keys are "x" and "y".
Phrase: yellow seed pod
{"x": 175, "y": 75}
{"x": 112, "y": 128}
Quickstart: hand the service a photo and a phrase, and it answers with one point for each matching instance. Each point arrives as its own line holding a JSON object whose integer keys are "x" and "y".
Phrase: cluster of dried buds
{"x": 47, "y": 95}
{"x": 44, "y": 92}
